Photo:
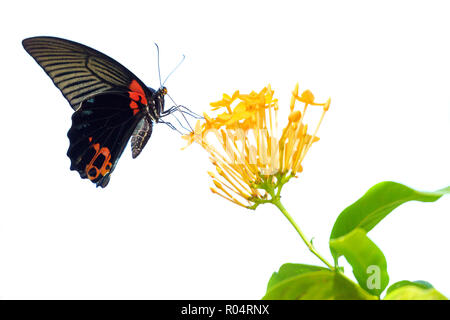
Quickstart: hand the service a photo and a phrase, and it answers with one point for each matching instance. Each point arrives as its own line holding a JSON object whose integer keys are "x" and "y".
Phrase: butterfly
{"x": 111, "y": 104}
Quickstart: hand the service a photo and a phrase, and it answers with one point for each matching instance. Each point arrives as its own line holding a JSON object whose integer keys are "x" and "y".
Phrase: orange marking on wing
{"x": 96, "y": 147}
{"x": 106, "y": 165}
{"x": 93, "y": 177}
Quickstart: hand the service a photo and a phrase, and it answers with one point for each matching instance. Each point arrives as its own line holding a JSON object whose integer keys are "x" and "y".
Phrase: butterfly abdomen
{"x": 140, "y": 136}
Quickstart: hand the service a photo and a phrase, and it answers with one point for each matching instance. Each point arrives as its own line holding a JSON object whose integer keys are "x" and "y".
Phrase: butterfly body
{"x": 111, "y": 104}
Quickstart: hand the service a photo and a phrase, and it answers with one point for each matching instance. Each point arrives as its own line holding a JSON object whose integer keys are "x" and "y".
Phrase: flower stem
{"x": 311, "y": 248}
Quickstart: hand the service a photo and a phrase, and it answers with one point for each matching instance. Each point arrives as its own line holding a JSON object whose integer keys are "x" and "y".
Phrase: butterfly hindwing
{"x": 100, "y": 130}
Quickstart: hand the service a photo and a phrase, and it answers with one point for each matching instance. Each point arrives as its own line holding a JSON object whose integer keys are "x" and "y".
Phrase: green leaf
{"x": 419, "y": 283}
{"x": 312, "y": 285}
{"x": 367, "y": 260}
{"x": 289, "y": 270}
{"x": 376, "y": 204}
{"x": 407, "y": 290}
{"x": 349, "y": 234}
{"x": 413, "y": 290}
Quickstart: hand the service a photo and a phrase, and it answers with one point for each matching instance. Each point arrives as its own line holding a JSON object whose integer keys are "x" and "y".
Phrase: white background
{"x": 156, "y": 232}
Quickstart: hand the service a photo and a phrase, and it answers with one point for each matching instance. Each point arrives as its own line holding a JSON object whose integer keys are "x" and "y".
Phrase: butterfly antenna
{"x": 176, "y": 67}
{"x": 159, "y": 70}
{"x": 182, "y": 109}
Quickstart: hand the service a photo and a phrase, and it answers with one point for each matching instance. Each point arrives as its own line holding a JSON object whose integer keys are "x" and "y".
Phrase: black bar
{"x": 205, "y": 309}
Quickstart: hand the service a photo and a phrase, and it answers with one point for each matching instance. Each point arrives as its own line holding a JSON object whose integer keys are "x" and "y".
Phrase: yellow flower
{"x": 251, "y": 161}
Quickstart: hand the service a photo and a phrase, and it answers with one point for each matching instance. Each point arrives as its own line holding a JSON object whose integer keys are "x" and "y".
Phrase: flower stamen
{"x": 250, "y": 160}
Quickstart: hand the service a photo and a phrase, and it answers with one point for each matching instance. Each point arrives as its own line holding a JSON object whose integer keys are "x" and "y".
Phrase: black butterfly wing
{"x": 107, "y": 99}
{"x": 100, "y": 130}
{"x": 80, "y": 71}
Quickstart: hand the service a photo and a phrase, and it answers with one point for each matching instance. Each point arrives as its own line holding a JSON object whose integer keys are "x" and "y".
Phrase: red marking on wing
{"x": 137, "y": 92}
{"x": 136, "y": 87}
{"x": 134, "y": 95}
{"x": 134, "y": 106}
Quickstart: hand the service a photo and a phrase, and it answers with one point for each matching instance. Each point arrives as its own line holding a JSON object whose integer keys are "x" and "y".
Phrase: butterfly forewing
{"x": 77, "y": 70}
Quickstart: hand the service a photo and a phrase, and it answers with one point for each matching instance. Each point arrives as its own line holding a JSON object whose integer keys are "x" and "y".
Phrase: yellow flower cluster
{"x": 251, "y": 161}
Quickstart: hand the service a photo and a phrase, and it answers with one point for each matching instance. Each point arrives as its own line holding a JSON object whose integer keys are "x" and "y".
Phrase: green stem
{"x": 311, "y": 248}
